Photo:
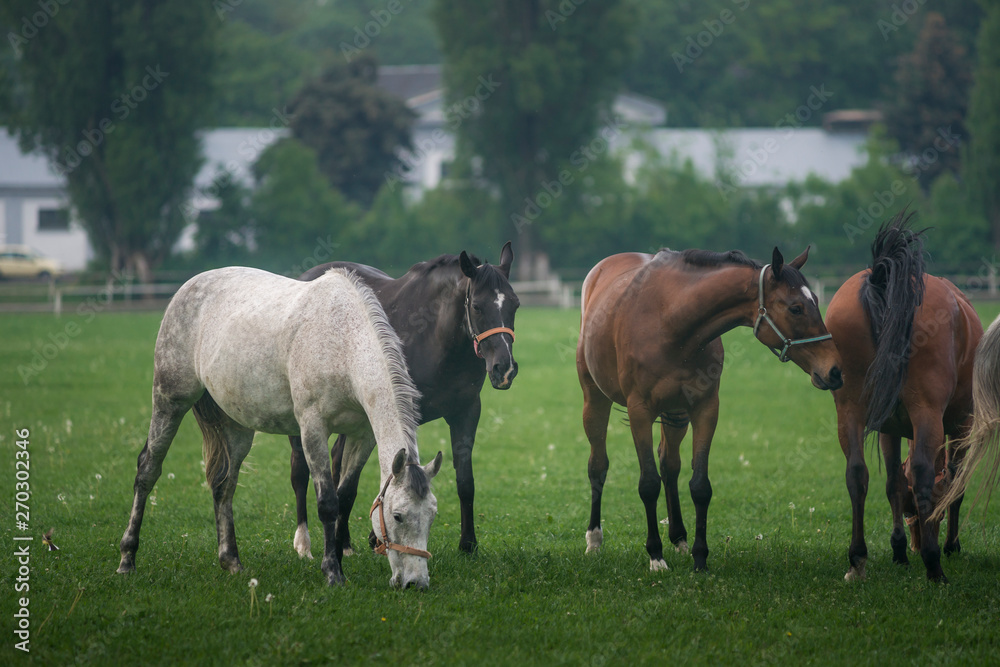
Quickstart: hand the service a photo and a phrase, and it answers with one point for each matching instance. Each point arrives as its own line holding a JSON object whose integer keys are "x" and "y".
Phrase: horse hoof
{"x": 335, "y": 579}
{"x": 681, "y": 547}
{"x": 950, "y": 549}
{"x": 658, "y": 565}
{"x": 126, "y": 568}
{"x": 347, "y": 552}
{"x": 233, "y": 566}
{"x": 302, "y": 543}
{"x": 468, "y": 547}
{"x": 856, "y": 573}
{"x": 594, "y": 539}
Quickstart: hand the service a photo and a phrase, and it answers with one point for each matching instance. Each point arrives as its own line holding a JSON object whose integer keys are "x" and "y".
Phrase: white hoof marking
{"x": 301, "y": 542}
{"x": 594, "y": 539}
{"x": 657, "y": 565}
{"x": 682, "y": 547}
{"x": 856, "y": 573}
{"x": 347, "y": 552}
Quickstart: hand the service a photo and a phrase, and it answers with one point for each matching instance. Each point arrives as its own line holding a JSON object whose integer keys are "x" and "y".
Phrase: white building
{"x": 33, "y": 206}
{"x": 34, "y": 210}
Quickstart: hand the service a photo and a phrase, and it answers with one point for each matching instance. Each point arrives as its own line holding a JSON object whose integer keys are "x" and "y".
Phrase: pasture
{"x": 778, "y": 530}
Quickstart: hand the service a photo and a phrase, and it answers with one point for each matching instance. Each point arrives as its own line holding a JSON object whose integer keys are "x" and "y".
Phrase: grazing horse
{"x": 455, "y": 317}
{"x": 983, "y": 441}
{"x": 251, "y": 351}
{"x": 649, "y": 340}
{"x": 907, "y": 340}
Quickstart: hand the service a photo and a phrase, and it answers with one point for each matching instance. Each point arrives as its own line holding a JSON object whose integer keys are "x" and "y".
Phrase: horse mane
{"x": 709, "y": 258}
{"x": 405, "y": 393}
{"x": 486, "y": 279}
{"x": 890, "y": 295}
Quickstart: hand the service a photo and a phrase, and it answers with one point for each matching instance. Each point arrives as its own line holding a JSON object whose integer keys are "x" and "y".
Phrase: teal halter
{"x": 762, "y": 316}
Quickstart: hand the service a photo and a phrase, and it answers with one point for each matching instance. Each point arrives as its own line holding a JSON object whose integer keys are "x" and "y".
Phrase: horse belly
{"x": 265, "y": 407}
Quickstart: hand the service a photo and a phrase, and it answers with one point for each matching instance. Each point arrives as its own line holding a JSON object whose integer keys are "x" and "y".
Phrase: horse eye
{"x": 477, "y": 309}
{"x": 398, "y": 517}
{"x": 796, "y": 310}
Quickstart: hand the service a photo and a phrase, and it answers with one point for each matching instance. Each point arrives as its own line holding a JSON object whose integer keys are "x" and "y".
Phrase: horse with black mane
{"x": 455, "y": 316}
{"x": 907, "y": 340}
{"x": 649, "y": 340}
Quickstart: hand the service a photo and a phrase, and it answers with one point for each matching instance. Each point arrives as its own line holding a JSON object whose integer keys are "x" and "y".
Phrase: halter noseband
{"x": 384, "y": 543}
{"x": 476, "y": 338}
{"x": 763, "y": 316}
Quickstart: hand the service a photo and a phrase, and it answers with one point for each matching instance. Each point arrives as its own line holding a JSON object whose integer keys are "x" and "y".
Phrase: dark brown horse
{"x": 907, "y": 340}
{"x": 649, "y": 340}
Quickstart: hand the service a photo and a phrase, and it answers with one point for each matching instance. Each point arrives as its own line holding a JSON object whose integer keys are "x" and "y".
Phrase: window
{"x": 53, "y": 220}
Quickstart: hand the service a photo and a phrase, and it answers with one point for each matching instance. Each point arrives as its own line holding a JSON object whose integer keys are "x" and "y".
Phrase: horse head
{"x": 403, "y": 522}
{"x": 788, "y": 319}
{"x": 490, "y": 306}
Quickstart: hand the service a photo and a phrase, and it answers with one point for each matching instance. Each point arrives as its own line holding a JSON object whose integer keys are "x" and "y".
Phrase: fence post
{"x": 57, "y": 303}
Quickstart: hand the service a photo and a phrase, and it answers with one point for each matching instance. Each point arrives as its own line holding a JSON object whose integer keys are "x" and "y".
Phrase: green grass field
{"x": 530, "y": 596}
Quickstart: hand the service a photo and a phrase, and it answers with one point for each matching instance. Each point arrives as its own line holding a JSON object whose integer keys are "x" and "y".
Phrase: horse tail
{"x": 405, "y": 393}
{"x": 890, "y": 295}
{"x": 983, "y": 441}
{"x": 215, "y": 447}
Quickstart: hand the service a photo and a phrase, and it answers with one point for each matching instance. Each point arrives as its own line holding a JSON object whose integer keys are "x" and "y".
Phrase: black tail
{"x": 890, "y": 296}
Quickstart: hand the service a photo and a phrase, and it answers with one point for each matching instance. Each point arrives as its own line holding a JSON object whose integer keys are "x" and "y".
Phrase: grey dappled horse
{"x": 253, "y": 351}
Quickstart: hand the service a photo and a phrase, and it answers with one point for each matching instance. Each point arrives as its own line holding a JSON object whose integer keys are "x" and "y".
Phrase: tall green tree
{"x": 926, "y": 111}
{"x": 983, "y": 156}
{"x": 113, "y": 92}
{"x": 529, "y": 83}
{"x": 356, "y": 128}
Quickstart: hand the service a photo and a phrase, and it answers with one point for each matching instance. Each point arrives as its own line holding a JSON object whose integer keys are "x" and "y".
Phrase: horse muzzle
{"x": 502, "y": 374}
{"x": 834, "y": 380}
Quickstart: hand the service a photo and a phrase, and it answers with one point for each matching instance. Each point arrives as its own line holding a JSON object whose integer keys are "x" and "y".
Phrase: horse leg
{"x": 849, "y": 431}
{"x": 955, "y": 456}
{"x": 928, "y": 439}
{"x": 463, "y": 439}
{"x": 300, "y": 484}
{"x": 673, "y": 428}
{"x": 895, "y": 487}
{"x": 167, "y": 416}
{"x": 596, "y": 412}
{"x": 238, "y": 440}
{"x": 704, "y": 421}
{"x": 641, "y": 423}
{"x": 317, "y": 453}
{"x": 347, "y": 493}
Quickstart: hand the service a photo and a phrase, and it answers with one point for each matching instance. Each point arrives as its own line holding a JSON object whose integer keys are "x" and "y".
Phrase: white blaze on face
{"x": 809, "y": 295}
{"x": 500, "y": 300}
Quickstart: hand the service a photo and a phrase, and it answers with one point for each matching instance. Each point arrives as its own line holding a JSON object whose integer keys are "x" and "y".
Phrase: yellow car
{"x": 21, "y": 261}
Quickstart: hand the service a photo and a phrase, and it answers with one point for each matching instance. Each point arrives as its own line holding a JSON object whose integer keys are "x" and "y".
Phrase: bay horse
{"x": 907, "y": 340}
{"x": 649, "y": 340}
{"x": 251, "y": 351}
{"x": 455, "y": 316}
{"x": 983, "y": 441}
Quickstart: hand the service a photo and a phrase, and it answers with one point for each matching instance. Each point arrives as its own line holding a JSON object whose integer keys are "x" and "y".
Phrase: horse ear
{"x": 399, "y": 463}
{"x": 468, "y": 268}
{"x": 434, "y": 467}
{"x": 506, "y": 259}
{"x": 799, "y": 261}
{"x": 777, "y": 263}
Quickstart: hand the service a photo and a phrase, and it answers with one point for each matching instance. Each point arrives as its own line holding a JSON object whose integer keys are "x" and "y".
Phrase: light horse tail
{"x": 983, "y": 441}
{"x": 215, "y": 451}
{"x": 890, "y": 296}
